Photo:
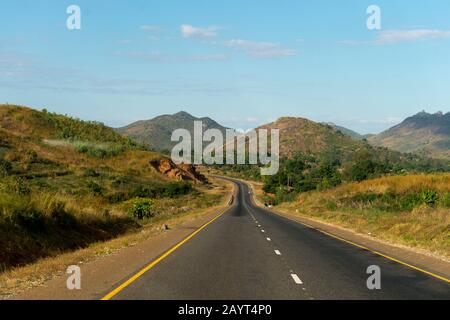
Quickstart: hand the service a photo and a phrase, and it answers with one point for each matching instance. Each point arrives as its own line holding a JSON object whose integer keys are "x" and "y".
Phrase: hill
{"x": 423, "y": 133}
{"x": 300, "y": 135}
{"x": 316, "y": 156}
{"x": 346, "y": 131}
{"x": 157, "y": 132}
{"x": 67, "y": 183}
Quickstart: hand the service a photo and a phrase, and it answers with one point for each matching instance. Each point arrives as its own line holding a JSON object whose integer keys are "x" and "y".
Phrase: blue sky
{"x": 243, "y": 63}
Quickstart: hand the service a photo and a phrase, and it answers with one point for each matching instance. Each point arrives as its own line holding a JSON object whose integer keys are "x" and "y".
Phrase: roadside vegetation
{"x": 402, "y": 198}
{"x": 412, "y": 210}
{"x": 66, "y": 184}
{"x": 306, "y": 173}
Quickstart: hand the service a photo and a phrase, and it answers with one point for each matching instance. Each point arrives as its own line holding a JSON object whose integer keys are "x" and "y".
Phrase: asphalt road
{"x": 249, "y": 253}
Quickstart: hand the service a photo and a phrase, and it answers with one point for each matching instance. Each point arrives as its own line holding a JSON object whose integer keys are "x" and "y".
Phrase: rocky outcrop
{"x": 183, "y": 172}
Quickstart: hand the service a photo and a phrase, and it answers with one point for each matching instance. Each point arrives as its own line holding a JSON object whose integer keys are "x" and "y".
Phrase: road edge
{"x": 124, "y": 284}
{"x": 427, "y": 264}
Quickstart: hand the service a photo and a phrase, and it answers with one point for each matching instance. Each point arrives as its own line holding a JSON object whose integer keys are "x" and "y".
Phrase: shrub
{"x": 172, "y": 190}
{"x": 5, "y": 167}
{"x": 429, "y": 197}
{"x": 95, "y": 188}
{"x": 177, "y": 189}
{"x": 99, "y": 150}
{"x": 28, "y": 218}
{"x": 151, "y": 191}
{"x": 141, "y": 209}
{"x": 410, "y": 201}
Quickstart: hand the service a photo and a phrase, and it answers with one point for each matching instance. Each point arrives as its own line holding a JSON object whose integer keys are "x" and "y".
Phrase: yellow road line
{"x": 365, "y": 248}
{"x": 154, "y": 263}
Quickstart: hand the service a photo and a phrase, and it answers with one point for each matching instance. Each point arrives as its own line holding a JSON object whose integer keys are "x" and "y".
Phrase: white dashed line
{"x": 262, "y": 231}
{"x": 296, "y": 279}
{"x": 268, "y": 239}
{"x": 278, "y": 252}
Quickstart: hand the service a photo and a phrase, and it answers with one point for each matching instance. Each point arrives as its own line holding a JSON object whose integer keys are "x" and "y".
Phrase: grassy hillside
{"x": 346, "y": 131}
{"x": 66, "y": 183}
{"x": 424, "y": 133}
{"x": 412, "y": 210}
{"x": 303, "y": 136}
{"x": 157, "y": 132}
{"x": 309, "y": 137}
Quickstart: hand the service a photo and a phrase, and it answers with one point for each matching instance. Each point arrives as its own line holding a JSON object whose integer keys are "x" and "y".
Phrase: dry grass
{"x": 19, "y": 279}
{"x": 397, "y": 184}
{"x": 56, "y": 197}
{"x": 424, "y": 226}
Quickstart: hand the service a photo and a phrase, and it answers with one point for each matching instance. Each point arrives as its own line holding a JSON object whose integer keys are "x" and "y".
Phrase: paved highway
{"x": 250, "y": 253}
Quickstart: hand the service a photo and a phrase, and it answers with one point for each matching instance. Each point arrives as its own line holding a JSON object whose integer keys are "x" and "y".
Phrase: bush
{"x": 172, "y": 190}
{"x": 410, "y": 201}
{"x": 175, "y": 189}
{"x": 429, "y": 197}
{"x": 141, "y": 209}
{"x": 28, "y": 218}
{"x": 5, "y": 167}
{"x": 95, "y": 188}
{"x": 98, "y": 150}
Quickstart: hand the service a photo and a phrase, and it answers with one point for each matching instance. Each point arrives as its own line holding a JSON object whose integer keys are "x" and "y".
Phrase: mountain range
{"x": 423, "y": 133}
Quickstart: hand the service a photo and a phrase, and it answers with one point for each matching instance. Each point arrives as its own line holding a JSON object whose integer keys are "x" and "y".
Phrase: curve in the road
{"x": 250, "y": 253}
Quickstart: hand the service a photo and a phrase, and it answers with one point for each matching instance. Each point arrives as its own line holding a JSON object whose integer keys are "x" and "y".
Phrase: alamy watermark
{"x": 74, "y": 280}
{"x": 374, "y": 280}
{"x": 240, "y": 148}
{"x": 73, "y": 21}
{"x": 374, "y": 20}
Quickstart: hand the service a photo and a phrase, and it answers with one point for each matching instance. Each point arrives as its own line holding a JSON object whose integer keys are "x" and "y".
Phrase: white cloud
{"x": 189, "y": 31}
{"x": 251, "y": 45}
{"x": 402, "y": 36}
{"x": 261, "y": 50}
{"x": 160, "y": 57}
{"x": 396, "y": 36}
{"x": 273, "y": 53}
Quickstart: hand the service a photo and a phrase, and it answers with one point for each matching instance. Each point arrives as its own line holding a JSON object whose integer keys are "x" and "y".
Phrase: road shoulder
{"x": 436, "y": 266}
{"x": 101, "y": 275}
